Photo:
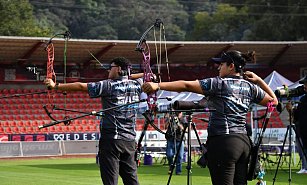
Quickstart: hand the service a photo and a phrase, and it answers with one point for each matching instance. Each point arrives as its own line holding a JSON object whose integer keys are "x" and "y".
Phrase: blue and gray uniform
{"x": 117, "y": 142}
{"x": 231, "y": 97}
{"x": 228, "y": 144}
{"x": 117, "y": 123}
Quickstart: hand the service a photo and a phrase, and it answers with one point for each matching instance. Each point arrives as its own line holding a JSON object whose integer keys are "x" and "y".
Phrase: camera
{"x": 288, "y": 93}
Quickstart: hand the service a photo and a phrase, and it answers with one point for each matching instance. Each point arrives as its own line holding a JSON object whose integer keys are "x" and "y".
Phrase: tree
{"x": 226, "y": 23}
{"x": 131, "y": 18}
{"x": 18, "y": 20}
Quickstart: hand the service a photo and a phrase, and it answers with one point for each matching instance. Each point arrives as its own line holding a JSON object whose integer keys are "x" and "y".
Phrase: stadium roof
{"x": 30, "y": 50}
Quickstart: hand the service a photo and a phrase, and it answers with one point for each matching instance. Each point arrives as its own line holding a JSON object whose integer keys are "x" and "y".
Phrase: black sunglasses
{"x": 110, "y": 67}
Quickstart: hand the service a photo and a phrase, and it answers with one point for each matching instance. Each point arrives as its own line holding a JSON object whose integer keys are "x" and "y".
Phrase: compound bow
{"x": 50, "y": 74}
{"x": 149, "y": 76}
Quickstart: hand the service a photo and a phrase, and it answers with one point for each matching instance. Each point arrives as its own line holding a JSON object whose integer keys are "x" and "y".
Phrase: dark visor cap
{"x": 234, "y": 57}
{"x": 223, "y": 58}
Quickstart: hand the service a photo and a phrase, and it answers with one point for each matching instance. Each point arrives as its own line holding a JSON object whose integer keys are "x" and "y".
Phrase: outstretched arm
{"x": 269, "y": 96}
{"x": 76, "y": 86}
{"x": 177, "y": 86}
{"x": 136, "y": 76}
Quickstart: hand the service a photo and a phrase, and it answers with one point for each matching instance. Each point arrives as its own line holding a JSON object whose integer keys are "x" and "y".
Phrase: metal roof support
{"x": 279, "y": 55}
{"x": 169, "y": 52}
{"x": 99, "y": 54}
{"x": 28, "y": 54}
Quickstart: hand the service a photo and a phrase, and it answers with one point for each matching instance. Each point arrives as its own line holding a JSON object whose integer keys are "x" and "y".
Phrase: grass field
{"x": 84, "y": 171}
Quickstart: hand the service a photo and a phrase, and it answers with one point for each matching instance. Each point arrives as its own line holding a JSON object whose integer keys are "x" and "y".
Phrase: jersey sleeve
{"x": 97, "y": 89}
{"x": 210, "y": 86}
{"x": 258, "y": 94}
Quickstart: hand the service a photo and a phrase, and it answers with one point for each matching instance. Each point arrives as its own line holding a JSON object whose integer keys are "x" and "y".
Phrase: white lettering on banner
{"x": 152, "y": 136}
{"x": 93, "y": 136}
{"x": 76, "y": 136}
{"x": 278, "y": 133}
{"x": 58, "y": 137}
{"x": 4, "y": 148}
{"x": 37, "y": 147}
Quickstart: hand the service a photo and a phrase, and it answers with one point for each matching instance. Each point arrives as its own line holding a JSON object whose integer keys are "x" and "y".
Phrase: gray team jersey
{"x": 231, "y": 97}
{"x": 118, "y": 123}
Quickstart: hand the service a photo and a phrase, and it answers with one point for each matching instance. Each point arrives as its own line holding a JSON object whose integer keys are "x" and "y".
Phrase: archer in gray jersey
{"x": 231, "y": 94}
{"x": 117, "y": 123}
{"x": 117, "y": 142}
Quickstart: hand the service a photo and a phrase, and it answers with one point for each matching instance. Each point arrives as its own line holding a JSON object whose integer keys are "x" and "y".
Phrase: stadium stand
{"x": 22, "y": 115}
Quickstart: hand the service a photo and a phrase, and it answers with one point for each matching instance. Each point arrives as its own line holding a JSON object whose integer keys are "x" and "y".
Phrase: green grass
{"x": 84, "y": 171}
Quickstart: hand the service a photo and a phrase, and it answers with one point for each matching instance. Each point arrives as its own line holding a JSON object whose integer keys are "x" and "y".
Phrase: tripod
{"x": 187, "y": 125}
{"x": 289, "y": 130}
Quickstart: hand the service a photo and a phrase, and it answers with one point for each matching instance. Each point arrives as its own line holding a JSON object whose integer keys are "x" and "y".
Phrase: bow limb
{"x": 50, "y": 74}
{"x": 143, "y": 47}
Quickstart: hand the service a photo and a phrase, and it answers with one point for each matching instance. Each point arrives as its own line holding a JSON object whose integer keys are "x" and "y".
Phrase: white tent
{"x": 296, "y": 84}
{"x": 276, "y": 80}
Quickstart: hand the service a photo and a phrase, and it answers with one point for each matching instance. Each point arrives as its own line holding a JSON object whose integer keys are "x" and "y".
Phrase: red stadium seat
{"x": 58, "y": 128}
{"x": 40, "y": 138}
{"x": 16, "y": 138}
{"x": 42, "y": 130}
{"x": 5, "y": 91}
{"x": 72, "y": 128}
{"x": 8, "y": 130}
{"x": 79, "y": 128}
{"x": 6, "y": 124}
{"x": 13, "y": 124}
{"x": 15, "y": 130}
{"x": 66, "y": 129}
{"x": 30, "y": 130}
{"x": 94, "y": 128}
{"x": 84, "y": 122}
{"x": 1, "y": 130}
{"x": 86, "y": 128}
{"x": 22, "y": 130}
{"x": 91, "y": 122}
{"x": 28, "y": 137}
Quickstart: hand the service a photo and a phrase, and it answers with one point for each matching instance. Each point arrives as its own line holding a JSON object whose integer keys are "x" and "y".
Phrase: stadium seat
{"x": 52, "y": 129}
{"x": 22, "y": 130}
{"x": 93, "y": 128}
{"x": 66, "y": 129}
{"x": 72, "y": 128}
{"x": 28, "y": 138}
{"x": 8, "y": 130}
{"x": 40, "y": 138}
{"x": 1, "y": 130}
{"x": 79, "y": 128}
{"x": 84, "y": 122}
{"x": 58, "y": 128}
{"x": 6, "y": 124}
{"x": 5, "y": 91}
{"x": 16, "y": 138}
{"x": 13, "y": 124}
{"x": 86, "y": 128}
{"x": 30, "y": 130}
{"x": 20, "y": 123}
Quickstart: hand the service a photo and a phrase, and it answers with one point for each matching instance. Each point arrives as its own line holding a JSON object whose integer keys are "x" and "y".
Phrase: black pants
{"x": 228, "y": 157}
{"x": 116, "y": 157}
